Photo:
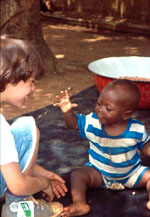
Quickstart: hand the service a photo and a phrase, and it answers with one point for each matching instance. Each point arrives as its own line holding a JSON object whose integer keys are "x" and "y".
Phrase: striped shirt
{"x": 116, "y": 157}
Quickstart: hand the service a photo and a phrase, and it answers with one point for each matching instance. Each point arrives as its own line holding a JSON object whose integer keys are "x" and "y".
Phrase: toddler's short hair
{"x": 19, "y": 61}
{"x": 132, "y": 92}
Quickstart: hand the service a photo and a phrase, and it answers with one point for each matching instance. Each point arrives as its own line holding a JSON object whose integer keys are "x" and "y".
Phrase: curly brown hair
{"x": 19, "y": 61}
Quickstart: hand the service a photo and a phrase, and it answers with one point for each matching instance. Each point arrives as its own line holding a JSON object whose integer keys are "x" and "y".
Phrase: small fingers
{"x": 74, "y": 105}
{"x": 63, "y": 97}
{"x": 56, "y": 104}
{"x": 64, "y": 93}
{"x": 60, "y": 191}
{"x": 63, "y": 213}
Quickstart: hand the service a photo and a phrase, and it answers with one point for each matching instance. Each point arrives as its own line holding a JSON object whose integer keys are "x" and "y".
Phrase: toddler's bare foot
{"x": 148, "y": 204}
{"x": 75, "y": 209}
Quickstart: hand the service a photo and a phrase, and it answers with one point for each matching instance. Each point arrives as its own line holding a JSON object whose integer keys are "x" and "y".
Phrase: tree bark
{"x": 21, "y": 19}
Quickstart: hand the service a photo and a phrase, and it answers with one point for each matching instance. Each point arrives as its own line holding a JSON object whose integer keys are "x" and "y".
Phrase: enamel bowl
{"x": 132, "y": 67}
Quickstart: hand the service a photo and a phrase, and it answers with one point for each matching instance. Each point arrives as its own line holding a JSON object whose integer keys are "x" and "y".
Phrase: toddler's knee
{"x": 75, "y": 173}
{"x": 78, "y": 175}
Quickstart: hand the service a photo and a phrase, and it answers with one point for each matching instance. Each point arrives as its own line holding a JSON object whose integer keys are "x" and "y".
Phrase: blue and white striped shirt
{"x": 116, "y": 157}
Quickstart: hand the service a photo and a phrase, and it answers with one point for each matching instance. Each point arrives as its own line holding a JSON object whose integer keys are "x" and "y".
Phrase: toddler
{"x": 115, "y": 140}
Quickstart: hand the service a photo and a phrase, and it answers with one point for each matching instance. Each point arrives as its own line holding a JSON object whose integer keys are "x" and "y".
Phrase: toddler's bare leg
{"x": 148, "y": 190}
{"x": 145, "y": 181}
{"x": 80, "y": 180}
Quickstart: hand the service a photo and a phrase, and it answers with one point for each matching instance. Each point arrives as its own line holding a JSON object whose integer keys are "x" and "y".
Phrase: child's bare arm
{"x": 146, "y": 149}
{"x": 67, "y": 108}
{"x": 20, "y": 184}
{"x": 40, "y": 180}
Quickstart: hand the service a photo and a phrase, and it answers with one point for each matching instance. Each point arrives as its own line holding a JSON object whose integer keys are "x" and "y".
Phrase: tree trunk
{"x": 21, "y": 19}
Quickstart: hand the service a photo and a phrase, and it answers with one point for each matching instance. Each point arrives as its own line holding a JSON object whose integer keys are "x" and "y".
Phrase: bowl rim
{"x": 119, "y": 77}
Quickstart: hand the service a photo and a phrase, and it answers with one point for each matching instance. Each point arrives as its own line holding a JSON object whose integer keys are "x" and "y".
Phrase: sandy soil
{"x": 76, "y": 47}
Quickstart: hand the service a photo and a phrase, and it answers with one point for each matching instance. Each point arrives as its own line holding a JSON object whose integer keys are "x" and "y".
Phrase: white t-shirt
{"x": 8, "y": 152}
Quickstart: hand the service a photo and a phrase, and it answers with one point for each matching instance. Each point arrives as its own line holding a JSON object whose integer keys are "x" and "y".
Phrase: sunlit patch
{"x": 132, "y": 50}
{"x": 23, "y": 107}
{"x": 38, "y": 90}
{"x": 49, "y": 95}
{"x": 100, "y": 38}
{"x": 60, "y": 56}
{"x": 58, "y": 36}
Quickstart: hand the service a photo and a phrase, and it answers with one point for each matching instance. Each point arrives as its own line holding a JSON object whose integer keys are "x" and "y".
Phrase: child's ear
{"x": 127, "y": 114}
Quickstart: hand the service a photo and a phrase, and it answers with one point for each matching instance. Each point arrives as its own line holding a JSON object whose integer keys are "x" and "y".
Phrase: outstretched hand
{"x": 64, "y": 102}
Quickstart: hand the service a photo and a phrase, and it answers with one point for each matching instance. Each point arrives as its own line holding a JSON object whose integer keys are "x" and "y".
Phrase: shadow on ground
{"x": 62, "y": 150}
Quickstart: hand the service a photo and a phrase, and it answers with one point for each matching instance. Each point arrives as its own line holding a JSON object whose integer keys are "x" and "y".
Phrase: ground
{"x": 75, "y": 47}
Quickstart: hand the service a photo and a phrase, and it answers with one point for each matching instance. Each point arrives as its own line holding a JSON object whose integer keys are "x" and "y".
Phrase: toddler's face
{"x": 109, "y": 107}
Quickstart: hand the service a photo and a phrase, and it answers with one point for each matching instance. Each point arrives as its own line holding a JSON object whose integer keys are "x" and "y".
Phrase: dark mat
{"x": 62, "y": 150}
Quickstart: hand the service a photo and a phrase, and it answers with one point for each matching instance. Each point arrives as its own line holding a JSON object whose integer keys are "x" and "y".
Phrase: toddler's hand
{"x": 64, "y": 102}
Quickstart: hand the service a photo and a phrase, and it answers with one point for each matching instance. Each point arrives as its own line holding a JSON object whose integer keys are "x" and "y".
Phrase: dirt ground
{"x": 76, "y": 47}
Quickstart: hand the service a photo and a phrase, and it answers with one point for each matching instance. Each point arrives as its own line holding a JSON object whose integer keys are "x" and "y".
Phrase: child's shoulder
{"x": 136, "y": 125}
{"x": 135, "y": 121}
{"x": 89, "y": 115}
{"x": 90, "y": 118}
